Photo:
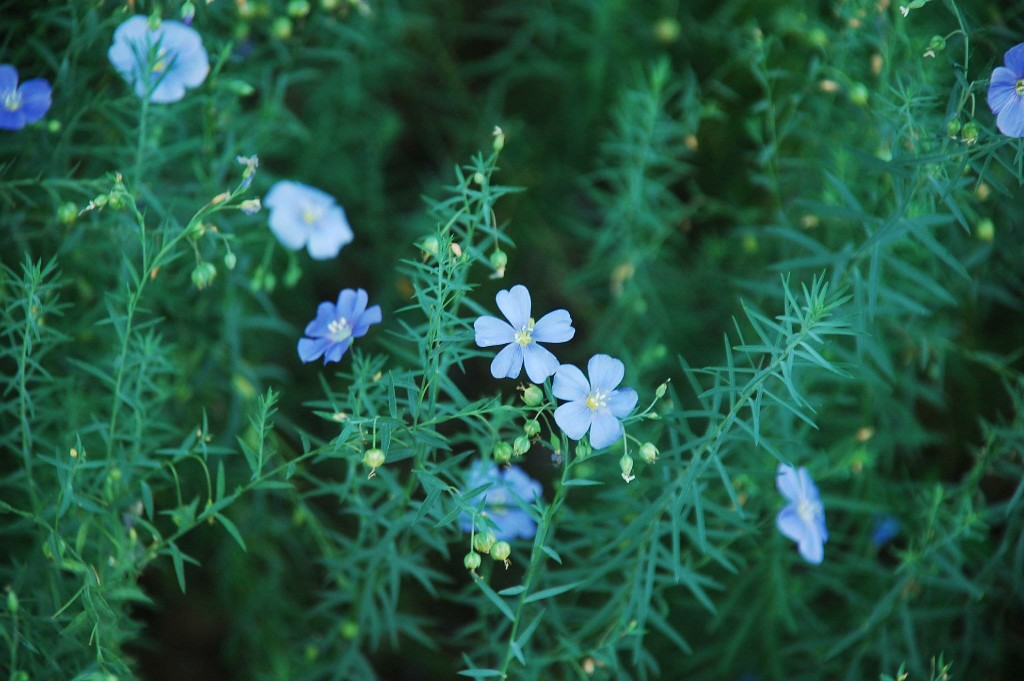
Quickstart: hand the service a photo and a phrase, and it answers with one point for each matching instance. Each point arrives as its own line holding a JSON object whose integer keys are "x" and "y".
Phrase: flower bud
{"x": 298, "y": 8}
{"x": 188, "y": 12}
{"x": 503, "y": 452}
{"x": 667, "y": 30}
{"x": 230, "y": 260}
{"x": 479, "y": 178}
{"x": 483, "y": 541}
{"x": 281, "y": 28}
{"x": 203, "y": 275}
{"x": 533, "y": 396}
{"x": 12, "y": 602}
{"x": 521, "y": 445}
{"x": 329, "y": 5}
{"x": 953, "y": 127}
{"x": 986, "y": 230}
{"x": 971, "y": 132}
{"x": 349, "y": 630}
{"x": 626, "y": 466}
{"x": 662, "y": 389}
{"x": 118, "y": 200}
{"x": 53, "y": 126}
{"x": 499, "y": 138}
{"x": 430, "y": 246}
{"x": 859, "y": 94}
{"x": 937, "y": 43}
{"x": 501, "y": 551}
{"x": 532, "y": 428}
{"x": 471, "y": 561}
{"x": 250, "y": 206}
{"x": 648, "y": 452}
{"x": 67, "y": 213}
{"x": 153, "y": 21}
{"x": 583, "y": 449}
{"x": 498, "y": 261}
{"x": 374, "y": 458}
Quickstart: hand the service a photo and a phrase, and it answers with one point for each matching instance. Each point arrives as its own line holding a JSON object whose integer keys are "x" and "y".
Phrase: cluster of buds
{"x": 486, "y": 543}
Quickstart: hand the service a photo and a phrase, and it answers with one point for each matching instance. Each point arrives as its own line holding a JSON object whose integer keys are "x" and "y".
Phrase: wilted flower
{"x": 331, "y": 333}
{"x": 594, "y": 405}
{"x": 161, "y": 62}
{"x": 522, "y": 336}
{"x": 301, "y": 215}
{"x": 1006, "y": 93}
{"x": 22, "y": 105}
{"x": 803, "y": 518}
{"x": 508, "y": 486}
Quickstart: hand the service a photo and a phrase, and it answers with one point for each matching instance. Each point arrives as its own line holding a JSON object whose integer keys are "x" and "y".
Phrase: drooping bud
{"x": 971, "y": 132}
{"x": 374, "y": 459}
{"x": 203, "y": 275}
{"x": 67, "y": 213}
{"x": 12, "y": 601}
{"x": 430, "y": 246}
{"x": 499, "y": 138}
{"x": 532, "y": 428}
{"x": 281, "y": 28}
{"x": 583, "y": 449}
{"x": 501, "y": 551}
{"x": 936, "y": 44}
{"x": 188, "y": 12}
{"x": 471, "y": 561}
{"x": 859, "y": 94}
{"x": 230, "y": 260}
{"x": 503, "y": 452}
{"x": 533, "y": 396}
{"x": 953, "y": 127}
{"x": 250, "y": 206}
{"x": 521, "y": 445}
{"x": 648, "y": 452}
{"x": 986, "y": 230}
{"x": 298, "y": 8}
{"x": 499, "y": 260}
{"x": 483, "y": 541}
{"x": 626, "y": 466}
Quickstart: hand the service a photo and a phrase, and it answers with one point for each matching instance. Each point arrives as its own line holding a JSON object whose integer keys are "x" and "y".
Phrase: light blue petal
{"x": 570, "y": 384}
{"x": 513, "y": 524}
{"x": 809, "y": 489}
{"x": 362, "y": 298}
{"x": 812, "y": 548}
{"x": 515, "y": 305}
{"x": 508, "y": 362}
{"x": 372, "y": 315}
{"x": 183, "y": 43}
{"x": 540, "y": 363}
{"x": 1002, "y": 86}
{"x": 347, "y": 301}
{"x": 621, "y": 402}
{"x": 35, "y": 99}
{"x": 788, "y": 482}
{"x": 574, "y": 418}
{"x": 288, "y": 227}
{"x": 605, "y": 372}
{"x": 554, "y": 327}
{"x": 790, "y": 524}
{"x": 336, "y": 350}
{"x": 1010, "y": 120}
{"x": 8, "y": 78}
{"x": 521, "y": 484}
{"x": 325, "y": 314}
{"x": 606, "y": 431}
{"x": 167, "y": 91}
{"x": 492, "y": 331}
{"x": 329, "y": 234}
{"x": 310, "y": 348}
{"x": 1014, "y": 58}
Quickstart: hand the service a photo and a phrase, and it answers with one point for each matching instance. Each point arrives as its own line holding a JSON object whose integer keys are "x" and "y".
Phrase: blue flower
{"x": 594, "y": 405}
{"x": 500, "y": 500}
{"x": 1006, "y": 93}
{"x": 522, "y": 336}
{"x": 335, "y": 326}
{"x": 22, "y": 105}
{"x": 803, "y": 518}
{"x": 160, "y": 62}
{"x": 301, "y": 215}
{"x": 885, "y": 530}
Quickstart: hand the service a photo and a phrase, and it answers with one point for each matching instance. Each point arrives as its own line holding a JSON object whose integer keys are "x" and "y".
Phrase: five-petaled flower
{"x": 522, "y": 336}
{"x": 803, "y": 518}
{"x": 596, "y": 405}
{"x": 301, "y": 215}
{"x": 24, "y": 104}
{"x": 159, "y": 62}
{"x": 1006, "y": 93}
{"x": 509, "y": 487}
{"x": 331, "y": 333}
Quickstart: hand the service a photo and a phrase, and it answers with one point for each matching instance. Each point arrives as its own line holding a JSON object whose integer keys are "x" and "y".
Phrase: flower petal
{"x": 8, "y": 78}
{"x": 515, "y": 305}
{"x": 570, "y": 384}
{"x": 288, "y": 227}
{"x": 372, "y": 315}
{"x": 574, "y": 418}
{"x": 1010, "y": 120}
{"x": 808, "y": 489}
{"x": 1014, "y": 58}
{"x": 521, "y": 484}
{"x": 190, "y": 63}
{"x": 788, "y": 481}
{"x": 606, "y": 431}
{"x": 812, "y": 548}
{"x": 1001, "y": 87}
{"x": 554, "y": 327}
{"x": 310, "y": 348}
{"x": 513, "y": 524}
{"x": 790, "y": 524}
{"x": 347, "y": 300}
{"x": 329, "y": 234}
{"x": 622, "y": 401}
{"x": 492, "y": 331}
{"x": 508, "y": 362}
{"x": 336, "y": 350}
{"x": 35, "y": 98}
{"x": 325, "y": 314}
{"x": 605, "y": 372}
{"x": 11, "y": 120}
{"x": 540, "y": 363}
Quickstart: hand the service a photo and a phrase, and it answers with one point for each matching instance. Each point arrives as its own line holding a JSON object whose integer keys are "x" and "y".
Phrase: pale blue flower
{"x": 24, "y": 104}
{"x": 522, "y": 336}
{"x": 500, "y": 506}
{"x": 301, "y": 215}
{"x": 162, "y": 62}
{"x": 803, "y": 518}
{"x": 596, "y": 405}
{"x": 1006, "y": 93}
{"x": 336, "y": 325}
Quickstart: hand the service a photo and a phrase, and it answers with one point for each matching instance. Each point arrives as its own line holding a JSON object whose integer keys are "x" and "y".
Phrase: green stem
{"x": 140, "y": 146}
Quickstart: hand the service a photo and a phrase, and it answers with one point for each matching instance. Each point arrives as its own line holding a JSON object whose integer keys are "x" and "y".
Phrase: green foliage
{"x": 796, "y": 225}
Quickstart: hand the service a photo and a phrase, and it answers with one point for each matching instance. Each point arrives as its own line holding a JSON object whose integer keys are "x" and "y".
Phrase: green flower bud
{"x": 937, "y": 43}
{"x": 483, "y": 541}
{"x": 583, "y": 449}
{"x": 626, "y": 466}
{"x": 188, "y": 12}
{"x": 532, "y": 428}
{"x": 154, "y": 21}
{"x": 533, "y": 396}
{"x": 12, "y": 601}
{"x": 230, "y": 260}
{"x": 203, "y": 275}
{"x": 953, "y": 127}
{"x": 282, "y": 28}
{"x": 971, "y": 132}
{"x": 859, "y": 94}
{"x": 498, "y": 261}
{"x": 986, "y": 230}
{"x": 430, "y": 246}
{"x": 53, "y": 126}
{"x": 329, "y": 5}
{"x": 471, "y": 561}
{"x": 118, "y": 200}
{"x": 67, "y": 213}
{"x": 521, "y": 445}
{"x": 374, "y": 458}
{"x": 666, "y": 30}
{"x": 499, "y": 138}
{"x": 269, "y": 282}
{"x": 479, "y": 177}
{"x": 501, "y": 551}
{"x": 298, "y": 8}
{"x": 662, "y": 389}
{"x": 817, "y": 37}
{"x": 503, "y": 452}
{"x": 349, "y": 630}
{"x": 239, "y": 87}
{"x": 648, "y": 452}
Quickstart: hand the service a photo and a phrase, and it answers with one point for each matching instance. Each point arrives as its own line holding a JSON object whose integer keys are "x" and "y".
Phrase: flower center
{"x": 807, "y": 510}
{"x": 524, "y": 335}
{"x": 310, "y": 214}
{"x": 339, "y": 329}
{"x": 12, "y": 100}
{"x": 1020, "y": 87}
{"x": 597, "y": 400}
